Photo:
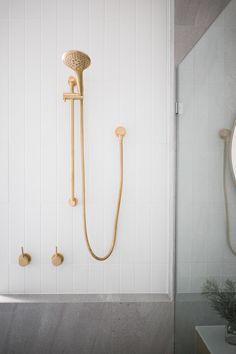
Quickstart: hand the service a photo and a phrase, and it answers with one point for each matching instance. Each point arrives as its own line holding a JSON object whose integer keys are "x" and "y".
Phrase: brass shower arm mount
{"x": 72, "y": 96}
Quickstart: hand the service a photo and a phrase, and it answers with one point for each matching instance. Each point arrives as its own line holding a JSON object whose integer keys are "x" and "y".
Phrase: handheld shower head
{"x": 77, "y": 61}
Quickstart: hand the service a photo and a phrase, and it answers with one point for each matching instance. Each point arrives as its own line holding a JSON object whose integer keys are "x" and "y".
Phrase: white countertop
{"x": 214, "y": 339}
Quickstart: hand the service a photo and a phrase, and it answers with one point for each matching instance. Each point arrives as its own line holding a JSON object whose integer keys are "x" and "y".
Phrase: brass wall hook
{"x": 57, "y": 259}
{"x": 24, "y": 258}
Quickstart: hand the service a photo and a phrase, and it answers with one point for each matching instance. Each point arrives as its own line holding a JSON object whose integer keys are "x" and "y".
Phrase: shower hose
{"x": 226, "y": 145}
{"x": 107, "y": 255}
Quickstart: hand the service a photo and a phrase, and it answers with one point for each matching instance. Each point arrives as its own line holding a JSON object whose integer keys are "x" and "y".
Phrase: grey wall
{"x": 191, "y": 311}
{"x": 192, "y": 18}
{"x": 101, "y": 327}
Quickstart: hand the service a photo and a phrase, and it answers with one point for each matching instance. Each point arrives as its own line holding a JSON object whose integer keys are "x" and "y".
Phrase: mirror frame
{"x": 232, "y": 135}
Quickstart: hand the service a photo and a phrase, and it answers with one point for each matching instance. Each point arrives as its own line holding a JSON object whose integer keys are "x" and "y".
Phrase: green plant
{"x": 222, "y": 299}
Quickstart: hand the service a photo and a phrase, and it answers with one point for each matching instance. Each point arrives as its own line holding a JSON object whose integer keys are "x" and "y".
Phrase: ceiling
{"x": 192, "y": 18}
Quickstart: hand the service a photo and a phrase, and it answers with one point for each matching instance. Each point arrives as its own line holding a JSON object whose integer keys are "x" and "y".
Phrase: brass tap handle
{"x": 57, "y": 258}
{"x": 24, "y": 258}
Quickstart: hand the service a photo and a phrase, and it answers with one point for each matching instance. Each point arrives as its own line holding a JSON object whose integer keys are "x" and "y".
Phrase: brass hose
{"x": 120, "y": 132}
{"x": 227, "y": 225}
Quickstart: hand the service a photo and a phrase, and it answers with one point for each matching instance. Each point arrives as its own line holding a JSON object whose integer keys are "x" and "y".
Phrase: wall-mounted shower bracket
{"x": 72, "y": 96}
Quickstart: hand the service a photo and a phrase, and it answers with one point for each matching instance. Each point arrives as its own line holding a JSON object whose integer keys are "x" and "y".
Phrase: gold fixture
{"x": 57, "y": 258}
{"x": 79, "y": 61}
{"x": 227, "y": 136}
{"x": 24, "y": 258}
{"x": 72, "y": 96}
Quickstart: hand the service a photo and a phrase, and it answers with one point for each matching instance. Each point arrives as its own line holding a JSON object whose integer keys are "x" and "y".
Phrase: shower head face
{"x": 75, "y": 60}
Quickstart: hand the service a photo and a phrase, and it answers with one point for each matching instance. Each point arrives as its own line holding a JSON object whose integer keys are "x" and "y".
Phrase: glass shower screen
{"x": 207, "y": 93}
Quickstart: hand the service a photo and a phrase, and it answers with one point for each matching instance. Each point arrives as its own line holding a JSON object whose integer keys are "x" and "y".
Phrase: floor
{"x": 84, "y": 328}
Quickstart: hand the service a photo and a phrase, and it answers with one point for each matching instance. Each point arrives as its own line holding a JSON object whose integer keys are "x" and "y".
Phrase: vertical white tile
{"x": 143, "y": 234}
{"x": 198, "y": 277}
{"x": 95, "y": 224}
{"x": 16, "y": 279}
{"x": 4, "y": 110}
{"x": 183, "y": 277}
{"x": 49, "y": 101}
{"x": 4, "y": 250}
{"x": 48, "y": 279}
{"x": 214, "y": 271}
{"x": 4, "y": 10}
{"x": 126, "y": 237}
{"x": 109, "y": 217}
{"x": 80, "y": 276}
{"x": 33, "y": 110}
{"x": 159, "y": 173}
{"x": 121, "y": 37}
{"x": 65, "y": 279}
{"x": 111, "y": 278}
{"x": 127, "y": 279}
{"x": 96, "y": 278}
{"x": 48, "y": 233}
{"x": 33, "y": 277}
{"x": 159, "y": 278}
{"x": 65, "y": 232}
{"x": 16, "y": 231}
{"x": 64, "y": 42}
{"x": 142, "y": 278}
{"x": 129, "y": 100}
{"x": 81, "y": 21}
{"x": 33, "y": 247}
{"x": 144, "y": 105}
{"x": 158, "y": 234}
{"x": 159, "y": 70}
{"x": 17, "y": 9}
{"x": 17, "y": 111}
{"x": 81, "y": 255}
{"x": 33, "y": 9}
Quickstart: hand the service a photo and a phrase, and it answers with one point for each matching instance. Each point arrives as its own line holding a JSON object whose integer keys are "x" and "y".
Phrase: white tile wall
{"x": 207, "y": 90}
{"x": 127, "y": 84}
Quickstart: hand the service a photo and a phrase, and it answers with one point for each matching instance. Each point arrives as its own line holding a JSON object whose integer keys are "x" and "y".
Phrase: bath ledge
{"x": 78, "y": 298}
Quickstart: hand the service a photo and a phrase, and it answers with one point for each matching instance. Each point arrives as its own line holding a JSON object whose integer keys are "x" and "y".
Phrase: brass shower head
{"x": 77, "y": 61}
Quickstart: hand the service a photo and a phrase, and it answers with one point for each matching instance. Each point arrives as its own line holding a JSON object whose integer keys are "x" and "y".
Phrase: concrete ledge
{"x": 78, "y": 298}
